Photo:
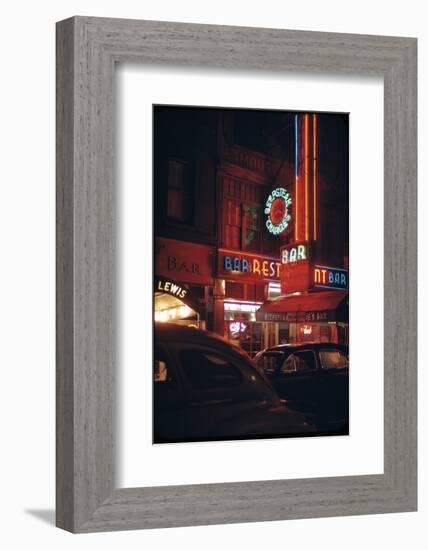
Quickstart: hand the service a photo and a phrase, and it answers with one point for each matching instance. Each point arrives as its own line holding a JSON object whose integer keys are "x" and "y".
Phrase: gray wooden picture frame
{"x": 87, "y": 51}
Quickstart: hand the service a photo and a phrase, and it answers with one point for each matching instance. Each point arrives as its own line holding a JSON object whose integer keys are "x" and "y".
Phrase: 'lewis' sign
{"x": 179, "y": 291}
{"x": 171, "y": 287}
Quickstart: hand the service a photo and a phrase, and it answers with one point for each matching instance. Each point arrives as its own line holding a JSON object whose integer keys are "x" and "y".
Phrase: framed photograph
{"x": 251, "y": 243}
{"x": 236, "y": 274}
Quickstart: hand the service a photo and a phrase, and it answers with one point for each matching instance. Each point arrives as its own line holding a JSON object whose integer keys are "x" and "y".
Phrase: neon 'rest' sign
{"x": 277, "y": 209}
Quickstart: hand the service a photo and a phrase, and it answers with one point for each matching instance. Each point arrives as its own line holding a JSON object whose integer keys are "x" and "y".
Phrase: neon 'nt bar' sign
{"x": 330, "y": 277}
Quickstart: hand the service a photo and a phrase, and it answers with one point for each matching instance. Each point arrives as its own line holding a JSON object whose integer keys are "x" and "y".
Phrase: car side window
{"x": 268, "y": 362}
{"x": 161, "y": 371}
{"x": 289, "y": 364}
{"x": 333, "y": 359}
{"x": 300, "y": 361}
{"x": 206, "y": 370}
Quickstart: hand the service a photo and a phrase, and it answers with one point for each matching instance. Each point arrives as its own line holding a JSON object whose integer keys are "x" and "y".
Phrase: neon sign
{"x": 330, "y": 277}
{"x": 237, "y": 326}
{"x": 306, "y": 329}
{"x": 294, "y": 254}
{"x": 170, "y": 287}
{"x": 277, "y": 209}
{"x": 238, "y": 265}
{"x": 257, "y": 267}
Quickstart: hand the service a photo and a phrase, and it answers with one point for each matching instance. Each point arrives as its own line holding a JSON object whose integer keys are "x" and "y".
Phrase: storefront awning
{"x": 312, "y": 307}
{"x": 173, "y": 300}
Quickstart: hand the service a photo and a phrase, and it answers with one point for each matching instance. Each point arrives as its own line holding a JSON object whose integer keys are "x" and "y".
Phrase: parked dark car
{"x": 313, "y": 379}
{"x": 206, "y": 389}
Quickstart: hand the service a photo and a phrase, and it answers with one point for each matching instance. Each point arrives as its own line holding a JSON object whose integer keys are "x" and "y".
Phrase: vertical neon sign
{"x": 296, "y": 173}
{"x": 307, "y": 176}
{"x": 315, "y": 172}
{"x": 296, "y": 146}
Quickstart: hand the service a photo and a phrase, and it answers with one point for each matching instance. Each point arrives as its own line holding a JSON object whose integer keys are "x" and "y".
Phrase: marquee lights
{"x": 277, "y": 209}
{"x": 171, "y": 314}
{"x": 250, "y": 308}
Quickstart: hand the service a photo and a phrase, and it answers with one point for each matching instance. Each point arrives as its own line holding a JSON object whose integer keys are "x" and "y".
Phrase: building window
{"x": 233, "y": 224}
{"x": 251, "y": 227}
{"x": 236, "y": 291}
{"x": 242, "y": 215}
{"x": 179, "y": 192}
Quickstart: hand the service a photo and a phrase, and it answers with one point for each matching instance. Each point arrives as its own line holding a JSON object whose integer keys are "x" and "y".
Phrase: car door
{"x": 295, "y": 380}
{"x": 219, "y": 391}
{"x": 168, "y": 399}
{"x": 335, "y": 391}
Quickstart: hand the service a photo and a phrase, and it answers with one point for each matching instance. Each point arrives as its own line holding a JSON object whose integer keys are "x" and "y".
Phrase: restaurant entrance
{"x": 310, "y": 317}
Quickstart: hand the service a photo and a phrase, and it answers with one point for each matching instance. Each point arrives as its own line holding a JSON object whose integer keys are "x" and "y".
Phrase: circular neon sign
{"x": 277, "y": 209}
{"x": 237, "y": 326}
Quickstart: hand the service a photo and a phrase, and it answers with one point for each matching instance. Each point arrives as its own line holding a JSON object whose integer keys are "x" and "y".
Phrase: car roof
{"x": 170, "y": 332}
{"x": 305, "y": 345}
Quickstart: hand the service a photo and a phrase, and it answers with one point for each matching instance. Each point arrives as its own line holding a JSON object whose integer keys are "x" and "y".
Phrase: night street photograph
{"x": 251, "y": 274}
